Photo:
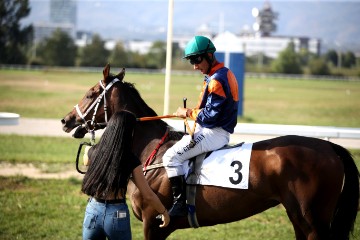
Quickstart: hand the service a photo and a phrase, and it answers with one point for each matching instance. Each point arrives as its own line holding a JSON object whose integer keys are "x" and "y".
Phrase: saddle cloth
{"x": 224, "y": 168}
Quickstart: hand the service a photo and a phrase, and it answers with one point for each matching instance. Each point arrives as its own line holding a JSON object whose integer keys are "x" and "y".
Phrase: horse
{"x": 315, "y": 180}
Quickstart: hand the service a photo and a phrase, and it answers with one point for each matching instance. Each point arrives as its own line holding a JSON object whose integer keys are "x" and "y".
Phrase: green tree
{"x": 136, "y": 60}
{"x": 58, "y": 50}
{"x": 332, "y": 57}
{"x": 119, "y": 56}
{"x": 14, "y": 40}
{"x": 156, "y": 58}
{"x": 287, "y": 61}
{"x": 349, "y": 59}
{"x": 94, "y": 54}
{"x": 318, "y": 66}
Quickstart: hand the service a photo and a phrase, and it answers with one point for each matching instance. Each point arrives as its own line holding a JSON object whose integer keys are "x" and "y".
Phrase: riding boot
{"x": 179, "y": 199}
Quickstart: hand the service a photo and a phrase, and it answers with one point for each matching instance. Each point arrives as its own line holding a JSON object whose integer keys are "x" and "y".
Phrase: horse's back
{"x": 303, "y": 169}
{"x": 300, "y": 159}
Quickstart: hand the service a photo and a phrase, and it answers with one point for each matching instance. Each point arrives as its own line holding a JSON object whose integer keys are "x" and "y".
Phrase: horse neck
{"x": 147, "y": 136}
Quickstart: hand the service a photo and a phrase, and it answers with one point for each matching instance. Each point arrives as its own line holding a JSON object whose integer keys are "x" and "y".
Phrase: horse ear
{"x": 106, "y": 71}
{"x": 121, "y": 74}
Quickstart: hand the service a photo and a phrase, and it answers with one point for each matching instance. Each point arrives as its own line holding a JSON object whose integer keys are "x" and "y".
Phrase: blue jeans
{"x": 104, "y": 220}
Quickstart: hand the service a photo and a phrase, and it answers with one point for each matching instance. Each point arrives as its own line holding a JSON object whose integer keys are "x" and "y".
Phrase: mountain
{"x": 336, "y": 23}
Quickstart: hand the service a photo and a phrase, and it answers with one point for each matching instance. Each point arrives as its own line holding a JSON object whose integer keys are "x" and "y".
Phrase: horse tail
{"x": 345, "y": 214}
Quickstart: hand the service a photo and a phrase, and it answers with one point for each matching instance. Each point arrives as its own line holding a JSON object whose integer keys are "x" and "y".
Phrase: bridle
{"x": 90, "y": 125}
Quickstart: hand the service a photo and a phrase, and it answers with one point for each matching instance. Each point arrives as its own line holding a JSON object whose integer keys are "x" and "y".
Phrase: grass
{"x": 53, "y": 209}
{"x": 47, "y": 94}
{"x": 35, "y": 149}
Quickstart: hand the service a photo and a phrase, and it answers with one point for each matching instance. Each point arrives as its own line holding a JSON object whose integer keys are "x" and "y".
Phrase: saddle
{"x": 193, "y": 179}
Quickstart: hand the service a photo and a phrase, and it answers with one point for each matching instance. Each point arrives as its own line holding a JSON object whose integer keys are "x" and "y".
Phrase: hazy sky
{"x": 332, "y": 21}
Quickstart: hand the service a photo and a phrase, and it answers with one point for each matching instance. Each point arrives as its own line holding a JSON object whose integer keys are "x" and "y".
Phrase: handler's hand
{"x": 86, "y": 159}
{"x": 181, "y": 112}
{"x": 165, "y": 218}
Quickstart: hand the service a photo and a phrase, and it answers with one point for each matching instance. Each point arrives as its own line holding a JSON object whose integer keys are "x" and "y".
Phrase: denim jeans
{"x": 103, "y": 220}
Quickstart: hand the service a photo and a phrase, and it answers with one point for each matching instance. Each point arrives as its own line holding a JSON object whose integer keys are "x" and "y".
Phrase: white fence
{"x": 279, "y": 130}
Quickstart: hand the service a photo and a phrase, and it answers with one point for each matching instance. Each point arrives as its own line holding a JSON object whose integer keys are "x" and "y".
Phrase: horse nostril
{"x": 63, "y": 121}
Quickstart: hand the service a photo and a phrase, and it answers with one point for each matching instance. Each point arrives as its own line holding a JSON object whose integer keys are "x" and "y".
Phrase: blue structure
{"x": 236, "y": 63}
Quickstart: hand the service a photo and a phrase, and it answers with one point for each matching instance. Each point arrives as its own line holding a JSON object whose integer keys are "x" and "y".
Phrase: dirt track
{"x": 53, "y": 128}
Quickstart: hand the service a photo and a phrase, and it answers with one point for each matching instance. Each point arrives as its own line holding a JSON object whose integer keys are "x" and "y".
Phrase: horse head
{"x": 96, "y": 107}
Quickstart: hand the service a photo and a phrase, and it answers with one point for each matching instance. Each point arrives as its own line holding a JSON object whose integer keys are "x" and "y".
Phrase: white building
{"x": 141, "y": 47}
{"x": 269, "y": 46}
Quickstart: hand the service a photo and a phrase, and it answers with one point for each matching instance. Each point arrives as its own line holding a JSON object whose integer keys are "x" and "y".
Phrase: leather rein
{"x": 91, "y": 125}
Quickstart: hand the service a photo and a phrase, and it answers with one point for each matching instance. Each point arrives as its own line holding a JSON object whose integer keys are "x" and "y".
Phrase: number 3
{"x": 237, "y": 171}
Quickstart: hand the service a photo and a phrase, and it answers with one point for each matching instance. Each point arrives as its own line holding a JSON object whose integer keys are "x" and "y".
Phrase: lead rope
{"x": 191, "y": 131}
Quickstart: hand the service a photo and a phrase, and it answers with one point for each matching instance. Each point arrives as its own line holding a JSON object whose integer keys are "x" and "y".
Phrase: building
{"x": 268, "y": 46}
{"x": 63, "y": 12}
{"x": 62, "y": 16}
{"x": 45, "y": 30}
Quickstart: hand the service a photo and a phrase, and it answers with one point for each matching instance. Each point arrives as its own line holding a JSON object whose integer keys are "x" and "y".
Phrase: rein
{"x": 191, "y": 131}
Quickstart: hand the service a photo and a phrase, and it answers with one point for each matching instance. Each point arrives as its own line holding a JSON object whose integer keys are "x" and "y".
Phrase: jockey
{"x": 215, "y": 116}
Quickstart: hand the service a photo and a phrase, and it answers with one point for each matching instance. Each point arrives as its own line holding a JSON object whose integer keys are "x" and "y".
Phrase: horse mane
{"x": 130, "y": 87}
{"x": 111, "y": 159}
{"x": 139, "y": 100}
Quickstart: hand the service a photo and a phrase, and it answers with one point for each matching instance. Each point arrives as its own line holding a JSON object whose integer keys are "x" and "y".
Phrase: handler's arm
{"x": 149, "y": 196}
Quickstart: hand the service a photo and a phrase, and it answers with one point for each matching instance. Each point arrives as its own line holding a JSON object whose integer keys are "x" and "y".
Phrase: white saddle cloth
{"x": 224, "y": 168}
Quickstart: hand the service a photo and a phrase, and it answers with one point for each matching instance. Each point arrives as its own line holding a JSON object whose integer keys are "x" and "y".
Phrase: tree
{"x": 349, "y": 59}
{"x": 332, "y": 56}
{"x": 14, "y": 40}
{"x": 136, "y": 60}
{"x": 94, "y": 54}
{"x": 287, "y": 61}
{"x": 156, "y": 58}
{"x": 58, "y": 50}
{"x": 119, "y": 57}
{"x": 318, "y": 66}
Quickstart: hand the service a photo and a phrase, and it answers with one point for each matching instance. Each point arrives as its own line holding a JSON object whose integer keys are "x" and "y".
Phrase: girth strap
{"x": 154, "y": 152}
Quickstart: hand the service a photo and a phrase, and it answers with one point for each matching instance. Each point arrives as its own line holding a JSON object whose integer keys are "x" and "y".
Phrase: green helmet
{"x": 198, "y": 45}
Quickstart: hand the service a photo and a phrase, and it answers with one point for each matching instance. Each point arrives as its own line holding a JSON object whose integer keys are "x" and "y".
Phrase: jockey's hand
{"x": 181, "y": 112}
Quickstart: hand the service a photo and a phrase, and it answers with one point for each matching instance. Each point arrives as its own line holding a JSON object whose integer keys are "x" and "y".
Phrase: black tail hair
{"x": 347, "y": 207}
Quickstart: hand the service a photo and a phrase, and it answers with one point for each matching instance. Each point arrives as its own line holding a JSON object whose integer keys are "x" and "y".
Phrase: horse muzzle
{"x": 68, "y": 124}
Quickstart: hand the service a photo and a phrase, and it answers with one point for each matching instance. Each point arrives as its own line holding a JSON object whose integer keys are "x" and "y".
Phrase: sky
{"x": 334, "y": 22}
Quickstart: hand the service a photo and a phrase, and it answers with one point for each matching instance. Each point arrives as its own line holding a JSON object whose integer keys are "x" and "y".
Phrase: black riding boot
{"x": 179, "y": 202}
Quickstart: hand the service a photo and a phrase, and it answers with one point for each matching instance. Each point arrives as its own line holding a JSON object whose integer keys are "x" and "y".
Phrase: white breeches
{"x": 206, "y": 140}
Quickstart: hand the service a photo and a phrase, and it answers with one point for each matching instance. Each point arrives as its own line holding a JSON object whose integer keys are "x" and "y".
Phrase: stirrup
{"x": 178, "y": 210}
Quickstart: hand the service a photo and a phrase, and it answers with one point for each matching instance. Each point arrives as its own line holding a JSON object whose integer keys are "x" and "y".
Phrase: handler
{"x": 111, "y": 164}
{"x": 215, "y": 116}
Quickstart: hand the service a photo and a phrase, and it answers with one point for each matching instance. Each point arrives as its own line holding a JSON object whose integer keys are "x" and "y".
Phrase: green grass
{"x": 52, "y": 94}
{"x": 33, "y": 149}
{"x": 53, "y": 209}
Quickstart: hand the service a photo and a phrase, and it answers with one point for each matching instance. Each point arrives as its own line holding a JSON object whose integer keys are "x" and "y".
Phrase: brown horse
{"x": 315, "y": 180}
